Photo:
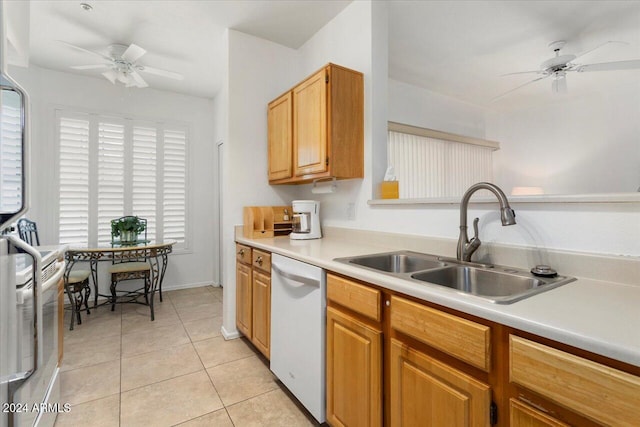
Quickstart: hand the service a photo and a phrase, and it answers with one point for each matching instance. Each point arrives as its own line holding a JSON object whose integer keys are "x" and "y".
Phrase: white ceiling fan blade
{"x": 123, "y": 78}
{"x": 81, "y": 49}
{"x": 89, "y": 67}
{"x": 133, "y": 53}
{"x": 111, "y": 75}
{"x": 518, "y": 87}
{"x": 139, "y": 81}
{"x": 162, "y": 73}
{"x": 521, "y": 72}
{"x": 610, "y": 66}
{"x": 598, "y": 47}
{"x": 559, "y": 84}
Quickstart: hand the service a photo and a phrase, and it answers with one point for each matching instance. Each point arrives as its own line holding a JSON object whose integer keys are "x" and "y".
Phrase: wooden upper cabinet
{"x": 323, "y": 136}
{"x": 280, "y": 138}
{"x": 310, "y": 125}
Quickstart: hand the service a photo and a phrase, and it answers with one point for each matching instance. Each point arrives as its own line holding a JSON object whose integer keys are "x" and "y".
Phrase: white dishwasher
{"x": 298, "y": 324}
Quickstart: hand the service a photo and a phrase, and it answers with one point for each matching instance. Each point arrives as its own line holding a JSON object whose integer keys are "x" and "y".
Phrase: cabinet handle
{"x": 241, "y": 252}
{"x": 387, "y": 303}
{"x": 259, "y": 260}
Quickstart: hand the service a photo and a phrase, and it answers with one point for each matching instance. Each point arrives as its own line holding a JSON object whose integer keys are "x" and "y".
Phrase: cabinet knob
{"x": 241, "y": 252}
{"x": 259, "y": 260}
{"x": 387, "y": 303}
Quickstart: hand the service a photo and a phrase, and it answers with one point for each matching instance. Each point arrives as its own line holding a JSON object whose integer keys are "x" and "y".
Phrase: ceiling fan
{"x": 121, "y": 65}
{"x": 559, "y": 65}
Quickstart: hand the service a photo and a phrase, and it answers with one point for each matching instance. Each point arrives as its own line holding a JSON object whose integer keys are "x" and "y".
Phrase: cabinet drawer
{"x": 466, "y": 340}
{"x": 243, "y": 253}
{"x": 521, "y": 415}
{"x": 359, "y": 298}
{"x": 598, "y": 392}
{"x": 261, "y": 260}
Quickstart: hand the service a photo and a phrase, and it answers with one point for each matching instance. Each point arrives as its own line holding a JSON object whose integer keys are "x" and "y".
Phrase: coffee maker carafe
{"x": 306, "y": 220}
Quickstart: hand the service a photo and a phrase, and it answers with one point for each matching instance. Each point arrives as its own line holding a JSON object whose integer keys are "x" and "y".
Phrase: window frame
{"x": 130, "y": 122}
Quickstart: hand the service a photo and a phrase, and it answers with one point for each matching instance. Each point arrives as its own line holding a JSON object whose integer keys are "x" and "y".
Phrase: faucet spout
{"x": 467, "y": 247}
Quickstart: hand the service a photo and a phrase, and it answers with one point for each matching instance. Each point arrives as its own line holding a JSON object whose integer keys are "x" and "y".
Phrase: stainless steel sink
{"x": 498, "y": 284}
{"x": 396, "y": 262}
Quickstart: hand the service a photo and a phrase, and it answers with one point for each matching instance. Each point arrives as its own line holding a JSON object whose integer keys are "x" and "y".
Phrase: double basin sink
{"x": 498, "y": 284}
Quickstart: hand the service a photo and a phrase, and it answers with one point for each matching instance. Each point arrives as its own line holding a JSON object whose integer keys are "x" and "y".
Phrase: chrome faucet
{"x": 467, "y": 247}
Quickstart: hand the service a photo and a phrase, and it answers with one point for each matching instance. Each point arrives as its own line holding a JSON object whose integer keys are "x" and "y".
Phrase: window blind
{"x": 110, "y": 177}
{"x": 110, "y": 167}
{"x": 431, "y": 168}
{"x": 74, "y": 180}
{"x": 144, "y": 179}
{"x": 10, "y": 158}
{"x": 174, "y": 186}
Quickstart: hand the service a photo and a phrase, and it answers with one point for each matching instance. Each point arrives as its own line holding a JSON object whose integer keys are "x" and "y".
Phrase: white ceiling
{"x": 456, "y": 48}
{"x": 181, "y": 36}
{"x": 461, "y": 48}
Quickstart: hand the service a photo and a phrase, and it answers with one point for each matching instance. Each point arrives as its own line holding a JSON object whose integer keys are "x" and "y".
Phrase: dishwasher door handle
{"x": 296, "y": 278}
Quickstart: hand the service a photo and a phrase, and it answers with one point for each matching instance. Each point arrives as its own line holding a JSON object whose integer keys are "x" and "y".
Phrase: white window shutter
{"x": 110, "y": 177}
{"x": 10, "y": 159}
{"x": 74, "y": 180}
{"x": 174, "y": 185}
{"x": 144, "y": 181}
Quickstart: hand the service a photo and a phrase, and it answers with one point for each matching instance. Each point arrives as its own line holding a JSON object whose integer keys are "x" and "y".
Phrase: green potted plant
{"x": 127, "y": 228}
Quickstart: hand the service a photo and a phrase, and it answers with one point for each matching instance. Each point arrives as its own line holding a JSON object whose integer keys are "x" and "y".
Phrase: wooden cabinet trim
{"x": 359, "y": 298}
{"x": 598, "y": 392}
{"x": 466, "y": 340}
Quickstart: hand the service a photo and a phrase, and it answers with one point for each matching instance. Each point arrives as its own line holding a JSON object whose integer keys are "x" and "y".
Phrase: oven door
{"x": 42, "y": 387}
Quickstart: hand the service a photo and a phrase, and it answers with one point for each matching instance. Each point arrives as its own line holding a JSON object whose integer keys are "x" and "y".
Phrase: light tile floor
{"x": 121, "y": 369}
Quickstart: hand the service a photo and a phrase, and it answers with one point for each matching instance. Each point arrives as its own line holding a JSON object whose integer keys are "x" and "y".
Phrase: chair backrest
{"x": 28, "y": 231}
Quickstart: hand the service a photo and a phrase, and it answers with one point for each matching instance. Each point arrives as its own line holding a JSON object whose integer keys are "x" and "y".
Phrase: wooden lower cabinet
{"x": 426, "y": 392}
{"x": 253, "y": 296}
{"x": 261, "y": 308}
{"x": 523, "y": 415}
{"x": 244, "y": 303}
{"x": 354, "y": 371}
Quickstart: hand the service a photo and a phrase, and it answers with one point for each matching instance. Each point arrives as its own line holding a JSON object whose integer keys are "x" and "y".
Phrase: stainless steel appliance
{"x": 28, "y": 299}
{"x": 306, "y": 220}
{"x": 298, "y": 319}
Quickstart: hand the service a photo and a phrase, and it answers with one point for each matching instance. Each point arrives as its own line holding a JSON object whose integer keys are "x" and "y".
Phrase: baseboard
{"x": 186, "y": 286}
{"x": 230, "y": 335}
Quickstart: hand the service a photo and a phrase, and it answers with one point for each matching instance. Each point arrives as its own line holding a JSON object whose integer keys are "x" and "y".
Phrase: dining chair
{"x": 28, "y": 231}
{"x": 76, "y": 282}
{"x": 129, "y": 267}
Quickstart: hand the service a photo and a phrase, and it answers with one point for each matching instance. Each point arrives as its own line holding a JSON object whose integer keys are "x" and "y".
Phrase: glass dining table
{"x": 155, "y": 252}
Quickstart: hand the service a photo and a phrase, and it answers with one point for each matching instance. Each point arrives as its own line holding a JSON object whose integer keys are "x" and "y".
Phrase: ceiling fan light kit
{"x": 121, "y": 65}
{"x": 559, "y": 65}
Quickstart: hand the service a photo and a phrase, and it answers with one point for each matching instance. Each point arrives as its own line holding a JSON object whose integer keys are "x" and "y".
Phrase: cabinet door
{"x": 243, "y": 299}
{"x": 280, "y": 137}
{"x": 522, "y": 415}
{"x": 261, "y": 312}
{"x": 310, "y": 125}
{"x": 426, "y": 392}
{"x": 354, "y": 372}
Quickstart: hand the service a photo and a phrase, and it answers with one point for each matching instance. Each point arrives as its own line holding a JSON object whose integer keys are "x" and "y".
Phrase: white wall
{"x": 49, "y": 89}
{"x": 580, "y": 144}
{"x": 258, "y": 71}
{"x": 596, "y": 228}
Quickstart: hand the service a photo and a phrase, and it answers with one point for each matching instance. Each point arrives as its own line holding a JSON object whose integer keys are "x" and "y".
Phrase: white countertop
{"x": 593, "y": 315}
